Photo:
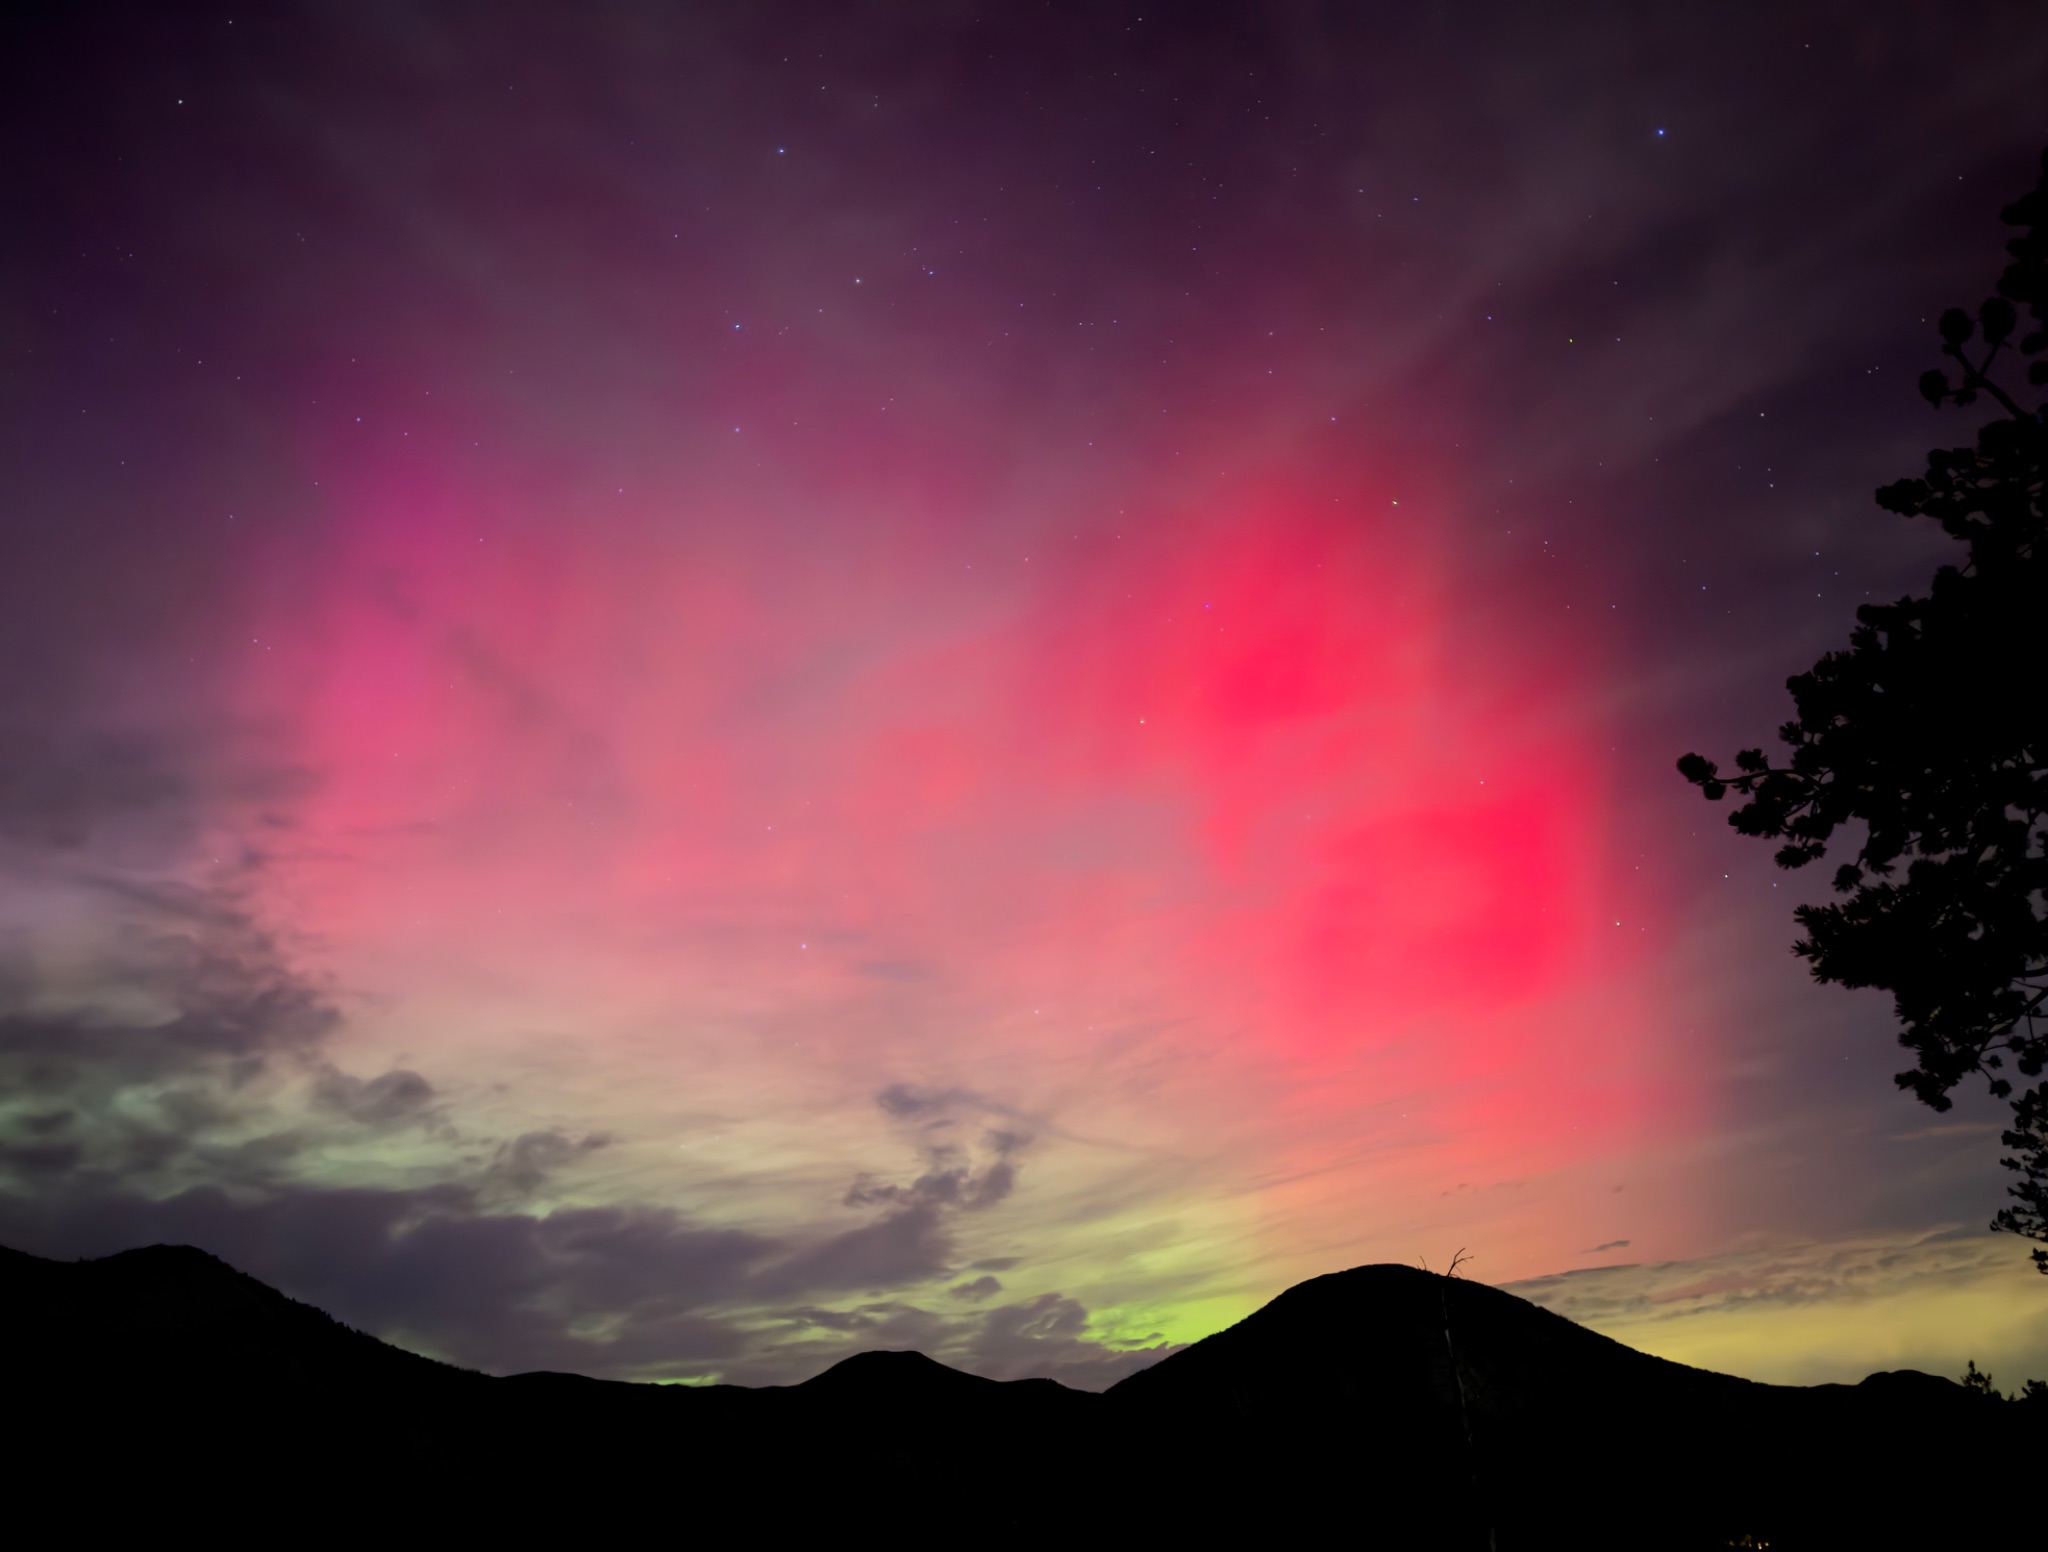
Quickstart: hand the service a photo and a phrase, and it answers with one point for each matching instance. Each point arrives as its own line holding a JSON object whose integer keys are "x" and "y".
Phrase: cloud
{"x": 390, "y": 1098}
{"x": 912, "y": 1241}
{"x": 595, "y": 1290}
{"x": 168, "y": 1075}
{"x": 164, "y": 1078}
{"x": 132, "y": 794}
{"x": 174, "y": 1085}
{"x": 1050, "y": 1316}
{"x": 906, "y": 1246}
{"x": 174, "y": 1044}
{"x": 1047, "y": 1337}
{"x": 176, "y": 1088}
{"x": 908, "y": 1101}
{"x": 526, "y": 1162}
{"x": 1804, "y": 1312}
{"x": 56, "y": 792}
{"x": 953, "y": 1181}
{"x": 1044, "y": 1337}
{"x": 153, "y": 1052}
{"x": 969, "y": 1166}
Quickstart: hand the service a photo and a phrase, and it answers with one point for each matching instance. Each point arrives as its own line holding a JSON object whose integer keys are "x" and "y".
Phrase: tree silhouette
{"x": 1978, "y": 1382}
{"x": 1928, "y": 739}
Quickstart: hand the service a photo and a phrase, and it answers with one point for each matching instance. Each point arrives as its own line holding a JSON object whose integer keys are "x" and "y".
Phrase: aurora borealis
{"x": 689, "y": 688}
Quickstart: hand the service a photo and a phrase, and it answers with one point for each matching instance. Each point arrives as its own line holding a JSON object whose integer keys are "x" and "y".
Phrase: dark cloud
{"x": 149, "y": 1098}
{"x": 813, "y": 1316}
{"x": 952, "y": 1182}
{"x": 82, "y": 786}
{"x": 529, "y": 1159}
{"x": 503, "y": 1292}
{"x": 622, "y": 1292}
{"x": 165, "y": 1077}
{"x": 955, "y": 1177}
{"x": 56, "y": 793}
{"x": 39, "y": 1159}
{"x": 153, "y": 1101}
{"x": 1050, "y": 1316}
{"x": 157, "y": 1054}
{"x": 903, "y": 1248}
{"x": 1047, "y": 1337}
{"x": 908, "y": 1101}
{"x": 899, "y": 1325}
{"x": 969, "y": 1168}
{"x": 165, "y": 1058}
{"x": 911, "y": 1242}
{"x": 389, "y": 1098}
{"x": 111, "y": 1119}
{"x": 172, "y": 1131}
{"x": 883, "y": 1323}
{"x": 205, "y": 978}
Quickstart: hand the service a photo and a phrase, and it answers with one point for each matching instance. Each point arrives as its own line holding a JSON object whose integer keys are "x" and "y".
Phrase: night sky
{"x": 687, "y": 688}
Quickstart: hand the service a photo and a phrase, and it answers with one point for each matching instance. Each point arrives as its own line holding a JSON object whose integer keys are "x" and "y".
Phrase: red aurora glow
{"x": 888, "y": 804}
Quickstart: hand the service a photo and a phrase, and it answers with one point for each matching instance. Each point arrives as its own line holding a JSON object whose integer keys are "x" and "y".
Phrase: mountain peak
{"x": 894, "y": 1369}
{"x": 1414, "y": 1408}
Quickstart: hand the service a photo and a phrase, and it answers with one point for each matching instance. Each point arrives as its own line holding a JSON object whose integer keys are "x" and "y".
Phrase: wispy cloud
{"x": 1805, "y": 1312}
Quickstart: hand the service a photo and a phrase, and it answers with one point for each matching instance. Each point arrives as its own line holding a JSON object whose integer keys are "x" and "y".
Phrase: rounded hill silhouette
{"x": 1381, "y": 1406}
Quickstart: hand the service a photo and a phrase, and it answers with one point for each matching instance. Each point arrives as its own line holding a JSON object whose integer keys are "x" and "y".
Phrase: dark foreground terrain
{"x": 160, "y": 1390}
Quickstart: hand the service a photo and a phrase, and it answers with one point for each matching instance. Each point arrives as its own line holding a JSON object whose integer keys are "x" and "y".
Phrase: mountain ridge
{"x": 1451, "y": 1409}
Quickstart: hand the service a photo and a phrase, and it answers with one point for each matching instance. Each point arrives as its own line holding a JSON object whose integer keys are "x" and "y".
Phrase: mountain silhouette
{"x": 1523, "y": 1428}
{"x": 1382, "y": 1406}
{"x": 179, "y": 1315}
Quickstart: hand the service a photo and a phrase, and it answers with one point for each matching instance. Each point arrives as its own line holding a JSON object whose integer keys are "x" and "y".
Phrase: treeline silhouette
{"x": 162, "y": 1392}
